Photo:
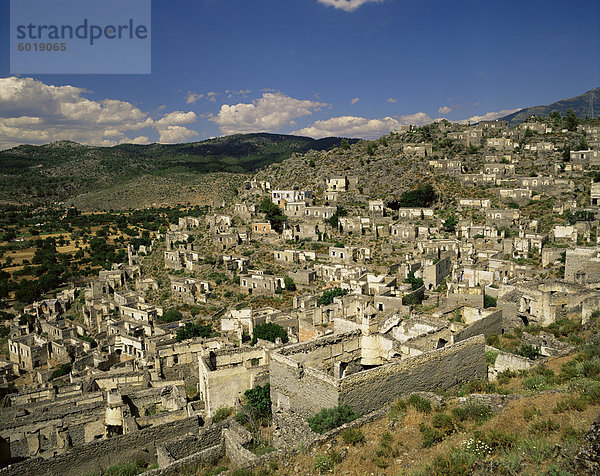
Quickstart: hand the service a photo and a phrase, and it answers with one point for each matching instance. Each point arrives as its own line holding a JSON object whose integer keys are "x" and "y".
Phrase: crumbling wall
{"x": 492, "y": 324}
{"x": 101, "y": 454}
{"x": 506, "y": 361}
{"x": 301, "y": 389}
{"x": 441, "y": 369}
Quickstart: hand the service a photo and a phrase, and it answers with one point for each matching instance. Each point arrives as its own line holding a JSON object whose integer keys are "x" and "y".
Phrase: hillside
{"x": 579, "y": 104}
{"x": 65, "y": 170}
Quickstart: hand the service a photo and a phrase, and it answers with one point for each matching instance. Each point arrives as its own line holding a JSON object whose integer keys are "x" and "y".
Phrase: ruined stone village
{"x": 334, "y": 286}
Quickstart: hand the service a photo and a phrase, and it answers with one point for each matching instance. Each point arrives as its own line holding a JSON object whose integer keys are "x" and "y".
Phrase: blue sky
{"x": 315, "y": 67}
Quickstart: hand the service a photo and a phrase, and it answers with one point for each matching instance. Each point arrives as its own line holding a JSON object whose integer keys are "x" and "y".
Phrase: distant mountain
{"x": 64, "y": 169}
{"x": 579, "y": 104}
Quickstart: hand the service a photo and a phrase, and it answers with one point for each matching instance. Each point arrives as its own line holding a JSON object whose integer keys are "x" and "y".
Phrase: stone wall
{"x": 491, "y": 324}
{"x": 301, "y": 389}
{"x": 506, "y": 361}
{"x": 441, "y": 369}
{"x": 101, "y": 454}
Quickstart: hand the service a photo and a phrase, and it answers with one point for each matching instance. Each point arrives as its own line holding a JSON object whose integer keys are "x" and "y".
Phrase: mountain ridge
{"x": 579, "y": 104}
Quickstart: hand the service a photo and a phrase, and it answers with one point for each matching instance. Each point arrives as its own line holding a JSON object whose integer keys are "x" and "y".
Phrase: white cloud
{"x": 174, "y": 134}
{"x": 444, "y": 109}
{"x": 347, "y": 5}
{"x": 32, "y": 112}
{"x": 269, "y": 113}
{"x": 242, "y": 92}
{"x": 490, "y": 116}
{"x": 193, "y": 97}
{"x": 354, "y": 101}
{"x": 392, "y": 100}
{"x": 360, "y": 127}
{"x": 140, "y": 140}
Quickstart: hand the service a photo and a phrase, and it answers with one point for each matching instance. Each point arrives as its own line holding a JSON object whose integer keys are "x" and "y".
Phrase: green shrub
{"x": 352, "y": 436}
{"x": 397, "y": 410}
{"x": 329, "y": 418}
{"x": 491, "y": 356}
{"x": 473, "y": 412}
{"x": 445, "y": 423}
{"x": 63, "y": 369}
{"x": 221, "y": 414}
{"x": 572, "y": 403}
{"x": 324, "y": 463}
{"x": 529, "y": 351}
{"x": 529, "y": 413}
{"x": 455, "y": 462}
{"x": 544, "y": 426}
{"x": 431, "y": 436}
{"x": 419, "y": 403}
{"x": 124, "y": 469}
{"x": 498, "y": 439}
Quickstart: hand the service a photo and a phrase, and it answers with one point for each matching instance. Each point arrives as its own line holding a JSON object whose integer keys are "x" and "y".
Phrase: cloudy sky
{"x": 356, "y": 68}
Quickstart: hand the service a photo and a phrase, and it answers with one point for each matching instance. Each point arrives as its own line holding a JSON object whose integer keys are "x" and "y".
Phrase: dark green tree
{"x": 571, "y": 120}
{"x": 269, "y": 331}
{"x": 273, "y": 214}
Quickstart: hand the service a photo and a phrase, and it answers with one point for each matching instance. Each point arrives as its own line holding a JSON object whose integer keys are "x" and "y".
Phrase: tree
{"x": 422, "y": 196}
{"x": 259, "y": 399}
{"x": 289, "y": 283}
{"x": 171, "y": 315}
{"x": 449, "y": 224}
{"x": 269, "y": 331}
{"x": 345, "y": 144}
{"x": 273, "y": 214}
{"x": 571, "y": 120}
{"x": 416, "y": 283}
{"x": 334, "y": 219}
{"x": 191, "y": 330}
{"x": 327, "y": 297}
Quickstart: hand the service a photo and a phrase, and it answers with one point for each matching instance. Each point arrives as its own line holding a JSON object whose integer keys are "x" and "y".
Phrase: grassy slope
{"x": 63, "y": 170}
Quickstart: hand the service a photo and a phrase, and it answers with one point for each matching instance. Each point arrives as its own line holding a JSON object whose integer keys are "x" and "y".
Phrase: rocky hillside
{"x": 65, "y": 170}
{"x": 579, "y": 104}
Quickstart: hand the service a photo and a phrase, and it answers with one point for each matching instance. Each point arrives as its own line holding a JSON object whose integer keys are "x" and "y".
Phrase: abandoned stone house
{"x": 501, "y": 143}
{"x": 189, "y": 290}
{"x": 28, "y": 352}
{"x": 446, "y": 166}
{"x": 522, "y": 195}
{"x": 501, "y": 217}
{"x": 499, "y": 169}
{"x": 255, "y": 283}
{"x": 476, "y": 180}
{"x": 235, "y": 264}
{"x": 224, "y": 375}
{"x": 321, "y": 213}
{"x": 281, "y": 196}
{"x": 262, "y": 228}
{"x": 225, "y": 241}
{"x": 218, "y": 223}
{"x": 403, "y": 231}
{"x": 589, "y": 157}
{"x": 295, "y": 209}
{"x": 341, "y": 183}
{"x": 418, "y": 150}
{"x": 303, "y": 231}
{"x": 353, "y": 369}
{"x": 546, "y": 302}
{"x": 474, "y": 203}
{"x": 582, "y": 265}
{"x": 435, "y": 271}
